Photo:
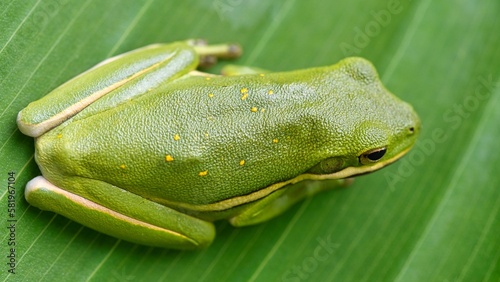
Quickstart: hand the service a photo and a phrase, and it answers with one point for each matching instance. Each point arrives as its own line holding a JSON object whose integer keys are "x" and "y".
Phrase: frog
{"x": 148, "y": 148}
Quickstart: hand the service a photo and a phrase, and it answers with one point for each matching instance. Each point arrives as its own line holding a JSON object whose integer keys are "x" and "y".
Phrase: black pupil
{"x": 375, "y": 156}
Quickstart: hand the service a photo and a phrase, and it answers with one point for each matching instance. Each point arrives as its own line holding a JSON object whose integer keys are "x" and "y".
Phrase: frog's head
{"x": 377, "y": 128}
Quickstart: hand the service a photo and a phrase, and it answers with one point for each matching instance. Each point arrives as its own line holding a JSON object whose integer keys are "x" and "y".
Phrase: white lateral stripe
{"x": 236, "y": 201}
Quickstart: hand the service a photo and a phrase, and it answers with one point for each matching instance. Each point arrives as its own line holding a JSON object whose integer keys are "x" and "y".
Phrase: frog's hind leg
{"x": 119, "y": 213}
{"x": 210, "y": 53}
{"x": 112, "y": 82}
{"x": 281, "y": 200}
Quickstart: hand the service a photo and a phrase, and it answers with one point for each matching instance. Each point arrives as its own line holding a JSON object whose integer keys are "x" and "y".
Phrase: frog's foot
{"x": 210, "y": 53}
{"x": 281, "y": 200}
{"x": 120, "y": 213}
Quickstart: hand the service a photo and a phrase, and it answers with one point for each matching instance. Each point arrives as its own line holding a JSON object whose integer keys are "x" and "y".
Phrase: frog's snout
{"x": 414, "y": 128}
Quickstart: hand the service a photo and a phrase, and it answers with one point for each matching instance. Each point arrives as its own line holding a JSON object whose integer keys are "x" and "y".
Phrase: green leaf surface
{"x": 433, "y": 216}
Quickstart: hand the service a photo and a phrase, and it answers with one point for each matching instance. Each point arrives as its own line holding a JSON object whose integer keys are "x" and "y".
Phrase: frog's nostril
{"x": 413, "y": 128}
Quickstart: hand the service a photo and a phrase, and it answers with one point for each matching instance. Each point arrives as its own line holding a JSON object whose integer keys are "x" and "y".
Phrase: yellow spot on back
{"x": 203, "y": 173}
{"x": 206, "y": 134}
{"x": 177, "y": 137}
{"x": 169, "y": 158}
{"x": 59, "y": 135}
{"x": 122, "y": 166}
{"x": 254, "y": 109}
{"x": 270, "y": 92}
{"x": 207, "y": 78}
{"x": 262, "y": 110}
{"x": 275, "y": 140}
{"x": 210, "y": 95}
{"x": 244, "y": 91}
{"x": 242, "y": 162}
{"x": 261, "y": 74}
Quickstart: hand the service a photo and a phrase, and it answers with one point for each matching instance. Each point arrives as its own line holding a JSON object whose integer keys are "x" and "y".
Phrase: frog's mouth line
{"x": 361, "y": 170}
{"x": 245, "y": 199}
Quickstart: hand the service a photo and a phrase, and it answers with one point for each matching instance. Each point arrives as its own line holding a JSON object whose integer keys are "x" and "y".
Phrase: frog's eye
{"x": 372, "y": 156}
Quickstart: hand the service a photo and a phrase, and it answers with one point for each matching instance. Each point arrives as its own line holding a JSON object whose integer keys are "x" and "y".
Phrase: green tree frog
{"x": 146, "y": 148}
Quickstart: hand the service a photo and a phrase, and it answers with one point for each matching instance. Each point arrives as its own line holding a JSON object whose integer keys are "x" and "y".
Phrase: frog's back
{"x": 201, "y": 140}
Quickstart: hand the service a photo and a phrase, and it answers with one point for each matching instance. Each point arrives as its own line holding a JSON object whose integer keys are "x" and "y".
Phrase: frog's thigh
{"x": 126, "y": 216}
{"x": 279, "y": 201}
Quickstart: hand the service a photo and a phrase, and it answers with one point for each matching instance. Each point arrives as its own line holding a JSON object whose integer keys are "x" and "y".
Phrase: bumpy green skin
{"x": 186, "y": 141}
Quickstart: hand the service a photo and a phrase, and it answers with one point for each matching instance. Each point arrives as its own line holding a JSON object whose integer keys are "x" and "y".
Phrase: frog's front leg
{"x": 121, "y": 214}
{"x": 281, "y": 200}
